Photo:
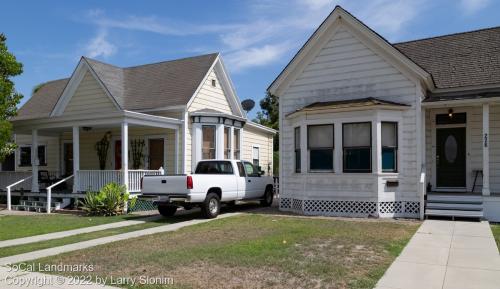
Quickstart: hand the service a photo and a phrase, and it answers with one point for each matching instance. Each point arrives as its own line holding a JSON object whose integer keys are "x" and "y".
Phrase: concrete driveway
{"x": 446, "y": 255}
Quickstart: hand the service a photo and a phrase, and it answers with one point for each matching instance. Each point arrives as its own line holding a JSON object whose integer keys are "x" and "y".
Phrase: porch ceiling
{"x": 63, "y": 123}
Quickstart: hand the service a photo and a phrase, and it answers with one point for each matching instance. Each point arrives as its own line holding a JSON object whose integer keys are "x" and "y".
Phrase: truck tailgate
{"x": 174, "y": 184}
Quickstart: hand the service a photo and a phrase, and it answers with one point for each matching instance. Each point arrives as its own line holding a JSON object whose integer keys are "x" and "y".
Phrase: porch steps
{"x": 454, "y": 205}
{"x": 39, "y": 204}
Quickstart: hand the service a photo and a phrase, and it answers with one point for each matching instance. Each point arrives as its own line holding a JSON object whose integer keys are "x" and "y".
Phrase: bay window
{"x": 208, "y": 149}
{"x": 320, "y": 146}
{"x": 297, "y": 150}
{"x": 357, "y": 147}
{"x": 389, "y": 146}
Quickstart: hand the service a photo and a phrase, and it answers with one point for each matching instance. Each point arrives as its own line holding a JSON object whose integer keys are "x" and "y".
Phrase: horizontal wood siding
{"x": 346, "y": 68}
{"x": 89, "y": 98}
{"x": 211, "y": 97}
{"x": 252, "y": 137}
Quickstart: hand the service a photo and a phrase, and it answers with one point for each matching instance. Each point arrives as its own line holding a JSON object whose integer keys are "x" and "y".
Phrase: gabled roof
{"x": 150, "y": 86}
{"x": 339, "y": 16}
{"x": 458, "y": 60}
{"x": 360, "y": 103}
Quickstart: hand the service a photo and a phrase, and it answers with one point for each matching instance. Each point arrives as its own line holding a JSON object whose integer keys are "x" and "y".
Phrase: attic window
{"x": 214, "y": 83}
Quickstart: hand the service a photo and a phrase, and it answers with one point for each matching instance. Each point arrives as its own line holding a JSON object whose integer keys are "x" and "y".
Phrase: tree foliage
{"x": 269, "y": 115}
{"x": 9, "y": 98}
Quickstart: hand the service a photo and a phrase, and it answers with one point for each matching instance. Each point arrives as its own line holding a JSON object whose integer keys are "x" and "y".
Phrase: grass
{"x": 13, "y": 227}
{"x": 254, "y": 251}
{"x": 14, "y": 250}
{"x": 496, "y": 233}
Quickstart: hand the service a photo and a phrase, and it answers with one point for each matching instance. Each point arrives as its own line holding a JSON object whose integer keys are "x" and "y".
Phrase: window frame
{"x": 395, "y": 148}
{"x": 237, "y": 147}
{"x": 332, "y": 170}
{"x": 344, "y": 148}
{"x": 227, "y": 146}
{"x": 214, "y": 142}
{"x": 29, "y": 164}
{"x": 253, "y": 156}
{"x": 298, "y": 161}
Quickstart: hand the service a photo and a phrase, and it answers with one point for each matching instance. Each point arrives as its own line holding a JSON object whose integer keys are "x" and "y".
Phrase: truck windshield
{"x": 214, "y": 168}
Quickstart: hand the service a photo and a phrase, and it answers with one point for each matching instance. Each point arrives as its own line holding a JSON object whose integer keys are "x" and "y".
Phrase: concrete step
{"x": 454, "y": 206}
{"x": 454, "y": 198}
{"x": 454, "y": 213}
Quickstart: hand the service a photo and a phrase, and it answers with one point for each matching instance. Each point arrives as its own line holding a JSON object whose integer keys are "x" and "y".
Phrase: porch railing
{"x": 94, "y": 180}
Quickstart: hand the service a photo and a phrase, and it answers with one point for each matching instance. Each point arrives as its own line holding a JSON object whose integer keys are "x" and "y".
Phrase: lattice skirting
{"x": 143, "y": 205}
{"x": 408, "y": 209}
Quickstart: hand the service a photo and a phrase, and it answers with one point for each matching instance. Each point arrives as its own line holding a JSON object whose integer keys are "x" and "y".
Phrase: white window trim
{"x": 18, "y": 155}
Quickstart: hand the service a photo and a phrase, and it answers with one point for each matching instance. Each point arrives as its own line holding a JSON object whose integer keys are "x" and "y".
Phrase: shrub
{"x": 109, "y": 201}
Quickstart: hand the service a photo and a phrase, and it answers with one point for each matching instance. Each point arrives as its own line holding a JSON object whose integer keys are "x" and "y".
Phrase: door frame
{"x": 63, "y": 163}
{"x": 146, "y": 153}
{"x": 434, "y": 128}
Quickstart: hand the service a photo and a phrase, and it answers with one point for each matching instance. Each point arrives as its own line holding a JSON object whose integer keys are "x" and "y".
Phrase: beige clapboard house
{"x": 167, "y": 115}
{"x": 372, "y": 128}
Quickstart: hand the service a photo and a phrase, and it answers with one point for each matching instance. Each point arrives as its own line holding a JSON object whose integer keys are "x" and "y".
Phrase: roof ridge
{"x": 447, "y": 35}
{"x": 172, "y": 60}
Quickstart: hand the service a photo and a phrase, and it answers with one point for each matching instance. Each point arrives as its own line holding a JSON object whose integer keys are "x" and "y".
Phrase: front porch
{"x": 462, "y": 158}
{"x": 70, "y": 158}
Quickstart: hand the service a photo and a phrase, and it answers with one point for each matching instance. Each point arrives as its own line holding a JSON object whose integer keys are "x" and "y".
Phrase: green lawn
{"x": 496, "y": 233}
{"x": 254, "y": 251}
{"x": 13, "y": 227}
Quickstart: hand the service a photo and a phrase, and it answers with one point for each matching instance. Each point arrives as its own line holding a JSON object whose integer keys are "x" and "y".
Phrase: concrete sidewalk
{"x": 68, "y": 233}
{"x": 95, "y": 242}
{"x": 446, "y": 255}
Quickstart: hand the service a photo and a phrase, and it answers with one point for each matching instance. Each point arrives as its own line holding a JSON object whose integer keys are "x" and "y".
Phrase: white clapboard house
{"x": 166, "y": 115}
{"x": 373, "y": 128}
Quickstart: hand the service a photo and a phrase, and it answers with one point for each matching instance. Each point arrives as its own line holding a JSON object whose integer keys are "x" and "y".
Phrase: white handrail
{"x": 9, "y": 207}
{"x": 422, "y": 194}
{"x": 49, "y": 191}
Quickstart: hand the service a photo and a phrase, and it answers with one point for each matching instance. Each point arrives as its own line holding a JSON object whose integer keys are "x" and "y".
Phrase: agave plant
{"x": 109, "y": 201}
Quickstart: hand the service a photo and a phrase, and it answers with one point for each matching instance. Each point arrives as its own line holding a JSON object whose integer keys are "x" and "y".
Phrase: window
{"x": 25, "y": 156}
{"x": 297, "y": 149}
{"x": 255, "y": 156}
{"x": 214, "y": 168}
{"x": 251, "y": 170}
{"x": 357, "y": 140}
{"x": 320, "y": 146}
{"x": 227, "y": 142}
{"x": 389, "y": 146}
{"x": 214, "y": 83}
{"x": 241, "y": 169}
{"x": 208, "y": 149}
{"x": 236, "y": 144}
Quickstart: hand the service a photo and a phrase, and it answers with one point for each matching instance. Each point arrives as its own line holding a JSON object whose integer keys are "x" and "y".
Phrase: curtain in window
{"x": 208, "y": 149}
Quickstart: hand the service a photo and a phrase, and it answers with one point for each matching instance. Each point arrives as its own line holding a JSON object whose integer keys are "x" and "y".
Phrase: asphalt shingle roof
{"x": 156, "y": 85}
{"x": 458, "y": 60}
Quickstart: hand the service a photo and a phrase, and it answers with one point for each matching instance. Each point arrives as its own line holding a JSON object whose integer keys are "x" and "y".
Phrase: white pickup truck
{"x": 214, "y": 182}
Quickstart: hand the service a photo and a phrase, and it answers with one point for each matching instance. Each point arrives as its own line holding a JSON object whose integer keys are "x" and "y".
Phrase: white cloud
{"x": 99, "y": 46}
{"x": 256, "y": 56}
{"x": 473, "y": 6}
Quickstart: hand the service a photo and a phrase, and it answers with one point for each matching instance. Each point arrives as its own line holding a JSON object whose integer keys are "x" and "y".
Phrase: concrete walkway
{"x": 446, "y": 255}
{"x": 95, "y": 242}
{"x": 68, "y": 233}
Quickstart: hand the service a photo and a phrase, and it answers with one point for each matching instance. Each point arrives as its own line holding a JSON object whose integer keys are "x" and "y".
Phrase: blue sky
{"x": 257, "y": 38}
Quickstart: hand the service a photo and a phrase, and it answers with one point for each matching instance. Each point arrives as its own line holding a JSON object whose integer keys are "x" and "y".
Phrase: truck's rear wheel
{"x": 268, "y": 197}
{"x": 167, "y": 210}
{"x": 211, "y": 206}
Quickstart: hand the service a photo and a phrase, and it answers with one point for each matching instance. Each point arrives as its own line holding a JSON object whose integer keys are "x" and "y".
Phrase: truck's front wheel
{"x": 211, "y": 206}
{"x": 167, "y": 210}
{"x": 267, "y": 201}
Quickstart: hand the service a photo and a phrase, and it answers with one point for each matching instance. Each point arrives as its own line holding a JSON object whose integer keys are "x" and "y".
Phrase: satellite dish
{"x": 248, "y": 105}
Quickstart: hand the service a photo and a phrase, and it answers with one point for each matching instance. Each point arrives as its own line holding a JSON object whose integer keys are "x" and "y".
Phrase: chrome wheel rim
{"x": 213, "y": 206}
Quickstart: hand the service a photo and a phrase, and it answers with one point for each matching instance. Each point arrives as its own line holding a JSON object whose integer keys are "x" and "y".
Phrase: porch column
{"x": 219, "y": 142}
{"x": 34, "y": 161}
{"x": 176, "y": 147}
{"x": 76, "y": 157}
{"x": 125, "y": 154}
{"x": 486, "y": 149}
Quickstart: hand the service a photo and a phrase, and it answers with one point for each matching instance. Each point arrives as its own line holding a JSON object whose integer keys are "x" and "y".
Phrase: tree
{"x": 269, "y": 115}
{"x": 9, "y": 98}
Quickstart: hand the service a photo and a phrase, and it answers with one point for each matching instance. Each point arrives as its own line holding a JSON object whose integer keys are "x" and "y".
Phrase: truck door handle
{"x": 163, "y": 181}
{"x": 249, "y": 181}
